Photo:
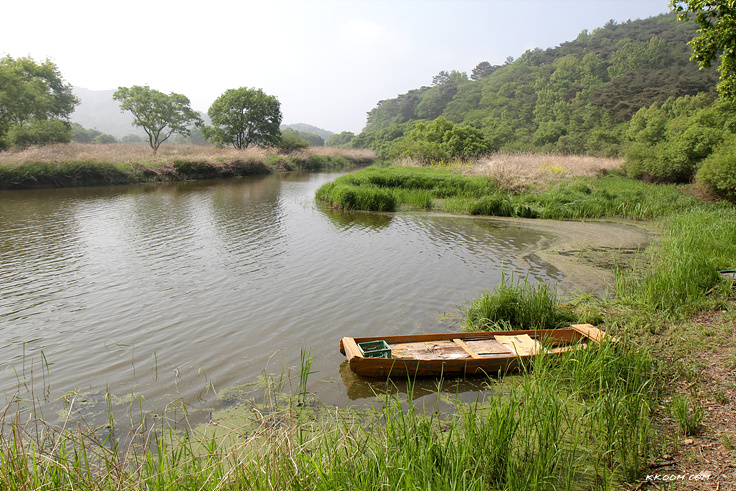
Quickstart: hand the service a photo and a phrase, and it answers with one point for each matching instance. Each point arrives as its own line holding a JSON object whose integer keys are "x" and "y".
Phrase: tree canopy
{"x": 341, "y": 139}
{"x": 160, "y": 115}
{"x": 244, "y": 117}
{"x": 35, "y": 103}
{"x": 716, "y": 36}
{"x": 439, "y": 140}
{"x": 574, "y": 98}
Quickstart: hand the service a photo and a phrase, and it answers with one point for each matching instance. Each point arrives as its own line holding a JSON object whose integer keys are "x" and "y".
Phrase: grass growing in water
{"x": 397, "y": 187}
{"x": 579, "y": 420}
{"x": 515, "y": 306}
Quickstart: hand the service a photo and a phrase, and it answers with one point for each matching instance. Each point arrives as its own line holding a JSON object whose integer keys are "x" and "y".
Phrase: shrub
{"x": 291, "y": 141}
{"x": 718, "y": 171}
{"x": 664, "y": 162}
{"x": 40, "y": 132}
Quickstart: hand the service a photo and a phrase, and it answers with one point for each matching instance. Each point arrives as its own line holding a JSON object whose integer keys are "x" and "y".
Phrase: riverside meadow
{"x": 599, "y": 418}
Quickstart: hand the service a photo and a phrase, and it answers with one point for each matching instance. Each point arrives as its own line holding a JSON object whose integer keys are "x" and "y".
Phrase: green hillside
{"x": 308, "y": 128}
{"x": 575, "y": 98}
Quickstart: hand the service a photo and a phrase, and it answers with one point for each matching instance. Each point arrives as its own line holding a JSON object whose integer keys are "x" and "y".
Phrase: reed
{"x": 515, "y": 305}
{"x": 684, "y": 265}
{"x": 441, "y": 189}
{"x": 77, "y": 164}
{"x": 579, "y": 420}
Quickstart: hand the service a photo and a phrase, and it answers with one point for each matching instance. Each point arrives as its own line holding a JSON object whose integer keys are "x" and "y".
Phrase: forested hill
{"x": 571, "y": 98}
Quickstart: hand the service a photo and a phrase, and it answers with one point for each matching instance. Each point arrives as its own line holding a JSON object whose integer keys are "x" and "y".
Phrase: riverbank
{"x": 79, "y": 164}
{"x": 669, "y": 301}
{"x": 587, "y": 253}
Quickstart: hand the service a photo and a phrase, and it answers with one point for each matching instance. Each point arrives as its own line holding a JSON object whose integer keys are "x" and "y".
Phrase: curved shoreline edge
{"x": 35, "y": 175}
{"x": 585, "y": 252}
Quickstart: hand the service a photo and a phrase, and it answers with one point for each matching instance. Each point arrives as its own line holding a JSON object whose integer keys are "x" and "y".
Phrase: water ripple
{"x": 147, "y": 288}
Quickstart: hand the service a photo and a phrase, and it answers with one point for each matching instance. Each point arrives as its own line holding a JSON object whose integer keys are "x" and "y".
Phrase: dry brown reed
{"x": 142, "y": 154}
{"x": 529, "y": 170}
{"x": 524, "y": 171}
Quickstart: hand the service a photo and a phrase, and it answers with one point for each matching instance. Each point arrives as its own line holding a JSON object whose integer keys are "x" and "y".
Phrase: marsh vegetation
{"x": 79, "y": 164}
{"x": 522, "y": 186}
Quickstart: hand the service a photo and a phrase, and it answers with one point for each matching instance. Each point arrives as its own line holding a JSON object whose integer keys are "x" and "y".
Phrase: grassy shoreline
{"x": 76, "y": 164}
{"x": 612, "y": 195}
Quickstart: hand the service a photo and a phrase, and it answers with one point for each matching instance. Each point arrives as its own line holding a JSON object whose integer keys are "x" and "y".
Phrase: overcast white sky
{"x": 328, "y": 62}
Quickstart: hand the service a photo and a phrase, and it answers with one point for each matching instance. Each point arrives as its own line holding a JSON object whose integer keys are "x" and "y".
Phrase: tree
{"x": 291, "y": 140}
{"x": 104, "y": 139}
{"x": 80, "y": 134}
{"x": 438, "y": 140}
{"x": 35, "y": 102}
{"x": 131, "y": 139}
{"x": 314, "y": 139}
{"x": 244, "y": 117}
{"x": 717, "y": 21}
{"x": 160, "y": 115}
{"x": 482, "y": 70}
{"x": 340, "y": 139}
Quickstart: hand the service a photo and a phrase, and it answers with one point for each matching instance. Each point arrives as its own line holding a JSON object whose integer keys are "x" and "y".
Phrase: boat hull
{"x": 460, "y": 354}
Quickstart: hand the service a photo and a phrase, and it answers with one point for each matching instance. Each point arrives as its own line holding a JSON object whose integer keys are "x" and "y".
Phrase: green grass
{"x": 684, "y": 265}
{"x": 515, "y": 306}
{"x": 688, "y": 413}
{"x": 400, "y": 186}
{"x": 442, "y": 190}
{"x": 577, "y": 421}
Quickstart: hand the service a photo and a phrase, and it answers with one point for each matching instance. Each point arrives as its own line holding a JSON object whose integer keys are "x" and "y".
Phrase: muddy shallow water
{"x": 193, "y": 291}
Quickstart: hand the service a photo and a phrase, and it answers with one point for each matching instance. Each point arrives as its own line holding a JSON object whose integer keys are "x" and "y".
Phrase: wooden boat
{"x": 453, "y": 354}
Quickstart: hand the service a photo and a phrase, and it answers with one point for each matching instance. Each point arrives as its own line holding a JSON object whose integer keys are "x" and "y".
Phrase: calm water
{"x": 192, "y": 290}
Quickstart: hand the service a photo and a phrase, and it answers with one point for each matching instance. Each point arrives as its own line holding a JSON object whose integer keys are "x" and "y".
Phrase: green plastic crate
{"x": 375, "y": 349}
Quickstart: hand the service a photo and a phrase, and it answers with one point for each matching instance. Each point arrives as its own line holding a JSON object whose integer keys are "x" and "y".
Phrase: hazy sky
{"x": 328, "y": 62}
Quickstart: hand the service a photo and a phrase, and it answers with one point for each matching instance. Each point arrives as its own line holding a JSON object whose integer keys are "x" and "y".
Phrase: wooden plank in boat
{"x": 522, "y": 344}
{"x": 489, "y": 347}
{"x": 426, "y": 350}
{"x": 467, "y": 348}
{"x": 590, "y": 332}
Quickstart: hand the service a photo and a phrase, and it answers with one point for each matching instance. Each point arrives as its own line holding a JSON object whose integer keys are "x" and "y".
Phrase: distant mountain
{"x": 308, "y": 128}
{"x": 574, "y": 98}
{"x": 98, "y": 111}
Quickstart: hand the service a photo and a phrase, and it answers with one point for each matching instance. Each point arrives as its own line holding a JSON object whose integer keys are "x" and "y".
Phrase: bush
{"x": 291, "y": 141}
{"x": 718, "y": 171}
{"x": 664, "y": 162}
{"x": 40, "y": 132}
